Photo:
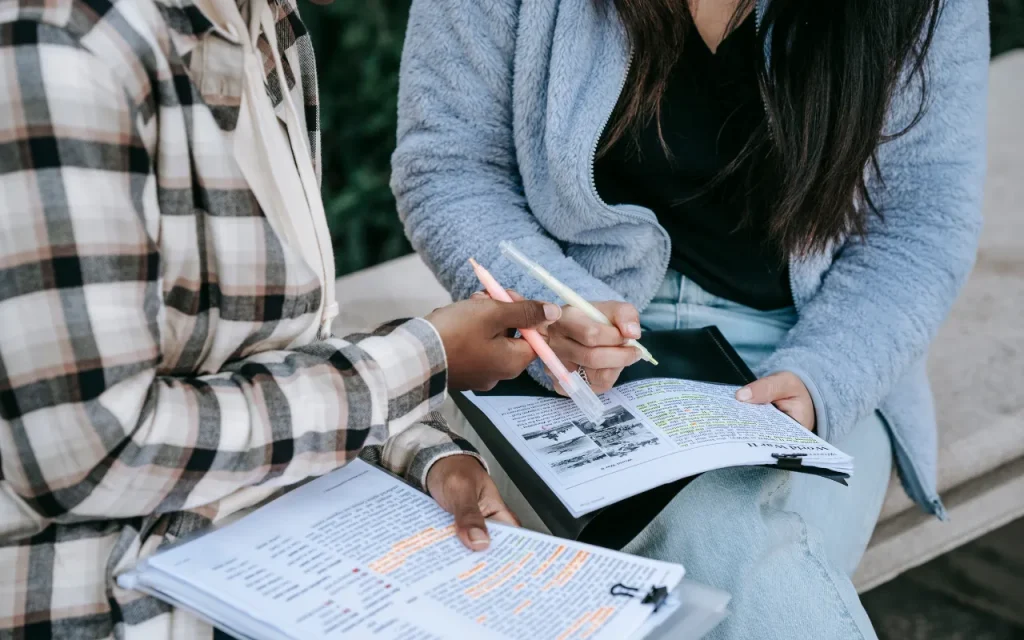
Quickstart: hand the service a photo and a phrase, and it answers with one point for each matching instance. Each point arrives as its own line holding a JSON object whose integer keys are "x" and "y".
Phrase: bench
{"x": 976, "y": 364}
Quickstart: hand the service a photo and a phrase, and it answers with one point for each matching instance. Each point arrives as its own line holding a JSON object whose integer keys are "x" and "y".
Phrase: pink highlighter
{"x": 572, "y": 383}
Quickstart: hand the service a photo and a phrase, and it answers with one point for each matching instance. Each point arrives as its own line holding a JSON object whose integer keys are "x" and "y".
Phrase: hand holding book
{"x": 786, "y": 391}
{"x": 461, "y": 486}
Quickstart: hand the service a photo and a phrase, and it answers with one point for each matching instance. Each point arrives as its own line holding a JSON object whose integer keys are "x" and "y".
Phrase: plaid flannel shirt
{"x": 150, "y": 379}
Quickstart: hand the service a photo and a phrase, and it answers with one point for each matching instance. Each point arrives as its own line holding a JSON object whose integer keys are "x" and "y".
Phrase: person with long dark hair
{"x": 805, "y": 175}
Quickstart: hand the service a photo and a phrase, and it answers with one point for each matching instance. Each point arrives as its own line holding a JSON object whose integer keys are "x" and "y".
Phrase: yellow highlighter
{"x": 570, "y": 297}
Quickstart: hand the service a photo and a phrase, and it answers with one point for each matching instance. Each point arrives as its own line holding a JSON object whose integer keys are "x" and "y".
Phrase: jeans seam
{"x": 828, "y": 578}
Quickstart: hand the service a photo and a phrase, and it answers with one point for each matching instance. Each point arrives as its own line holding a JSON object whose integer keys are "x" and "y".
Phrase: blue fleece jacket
{"x": 501, "y": 106}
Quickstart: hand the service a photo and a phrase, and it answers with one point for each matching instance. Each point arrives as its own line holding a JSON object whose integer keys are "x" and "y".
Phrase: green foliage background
{"x": 358, "y": 45}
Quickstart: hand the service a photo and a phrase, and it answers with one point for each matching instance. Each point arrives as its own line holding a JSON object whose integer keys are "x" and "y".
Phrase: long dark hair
{"x": 835, "y": 66}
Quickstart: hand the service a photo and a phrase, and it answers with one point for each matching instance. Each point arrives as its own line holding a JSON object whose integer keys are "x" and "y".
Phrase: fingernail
{"x": 552, "y": 312}
{"x": 744, "y": 394}
{"x": 478, "y": 538}
{"x": 633, "y": 329}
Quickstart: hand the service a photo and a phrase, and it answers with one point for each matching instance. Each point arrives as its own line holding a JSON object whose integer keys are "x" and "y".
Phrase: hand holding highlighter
{"x": 578, "y": 390}
{"x": 570, "y": 297}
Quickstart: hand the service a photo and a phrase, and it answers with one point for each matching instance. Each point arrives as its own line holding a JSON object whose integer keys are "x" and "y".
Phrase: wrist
{"x": 442, "y": 345}
{"x": 457, "y": 465}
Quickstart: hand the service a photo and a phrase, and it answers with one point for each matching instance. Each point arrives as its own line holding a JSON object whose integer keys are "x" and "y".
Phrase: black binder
{"x": 693, "y": 354}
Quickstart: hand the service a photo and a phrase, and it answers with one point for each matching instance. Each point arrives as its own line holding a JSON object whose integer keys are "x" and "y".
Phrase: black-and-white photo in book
{"x": 360, "y": 554}
{"x": 653, "y": 432}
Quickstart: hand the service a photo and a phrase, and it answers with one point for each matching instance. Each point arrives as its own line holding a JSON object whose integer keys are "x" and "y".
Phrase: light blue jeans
{"x": 785, "y": 545}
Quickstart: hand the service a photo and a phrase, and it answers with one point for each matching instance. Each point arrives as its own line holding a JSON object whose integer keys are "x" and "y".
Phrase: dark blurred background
{"x": 358, "y": 45}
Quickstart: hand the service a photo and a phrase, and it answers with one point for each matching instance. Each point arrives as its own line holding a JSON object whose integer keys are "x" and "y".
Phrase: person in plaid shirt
{"x": 165, "y": 353}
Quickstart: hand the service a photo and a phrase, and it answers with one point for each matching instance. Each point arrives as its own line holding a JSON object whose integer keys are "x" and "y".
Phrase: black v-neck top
{"x": 710, "y": 109}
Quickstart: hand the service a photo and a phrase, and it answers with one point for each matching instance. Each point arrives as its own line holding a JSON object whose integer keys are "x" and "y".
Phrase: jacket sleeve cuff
{"x": 412, "y": 453}
{"x": 425, "y": 461}
{"x": 536, "y": 371}
{"x": 412, "y": 363}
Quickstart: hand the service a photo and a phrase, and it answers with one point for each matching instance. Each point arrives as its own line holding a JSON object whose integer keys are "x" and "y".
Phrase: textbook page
{"x": 359, "y": 554}
{"x": 654, "y": 432}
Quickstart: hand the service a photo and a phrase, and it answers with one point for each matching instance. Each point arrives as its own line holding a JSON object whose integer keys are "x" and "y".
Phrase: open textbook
{"x": 358, "y": 553}
{"x": 654, "y": 432}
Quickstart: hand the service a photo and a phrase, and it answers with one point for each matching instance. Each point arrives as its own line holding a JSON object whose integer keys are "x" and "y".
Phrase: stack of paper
{"x": 359, "y": 554}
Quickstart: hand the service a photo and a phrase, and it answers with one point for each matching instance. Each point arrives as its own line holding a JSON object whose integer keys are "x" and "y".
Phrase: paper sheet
{"x": 360, "y": 554}
{"x": 654, "y": 432}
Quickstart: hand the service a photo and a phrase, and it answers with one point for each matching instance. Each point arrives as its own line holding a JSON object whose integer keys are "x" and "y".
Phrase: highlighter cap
{"x": 509, "y": 251}
{"x": 584, "y": 397}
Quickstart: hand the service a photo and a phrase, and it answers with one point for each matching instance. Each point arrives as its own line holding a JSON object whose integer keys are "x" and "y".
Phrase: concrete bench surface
{"x": 976, "y": 364}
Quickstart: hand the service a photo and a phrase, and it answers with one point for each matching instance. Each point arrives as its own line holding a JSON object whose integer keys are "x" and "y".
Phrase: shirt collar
{"x": 188, "y": 23}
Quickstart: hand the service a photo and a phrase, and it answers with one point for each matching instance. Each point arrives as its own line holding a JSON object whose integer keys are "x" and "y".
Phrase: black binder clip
{"x": 789, "y": 460}
{"x": 656, "y": 597}
{"x": 619, "y": 589}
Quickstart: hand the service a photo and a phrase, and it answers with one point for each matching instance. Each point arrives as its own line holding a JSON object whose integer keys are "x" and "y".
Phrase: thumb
{"x": 627, "y": 320}
{"x": 470, "y": 526}
{"x": 525, "y": 314}
{"x": 768, "y": 389}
